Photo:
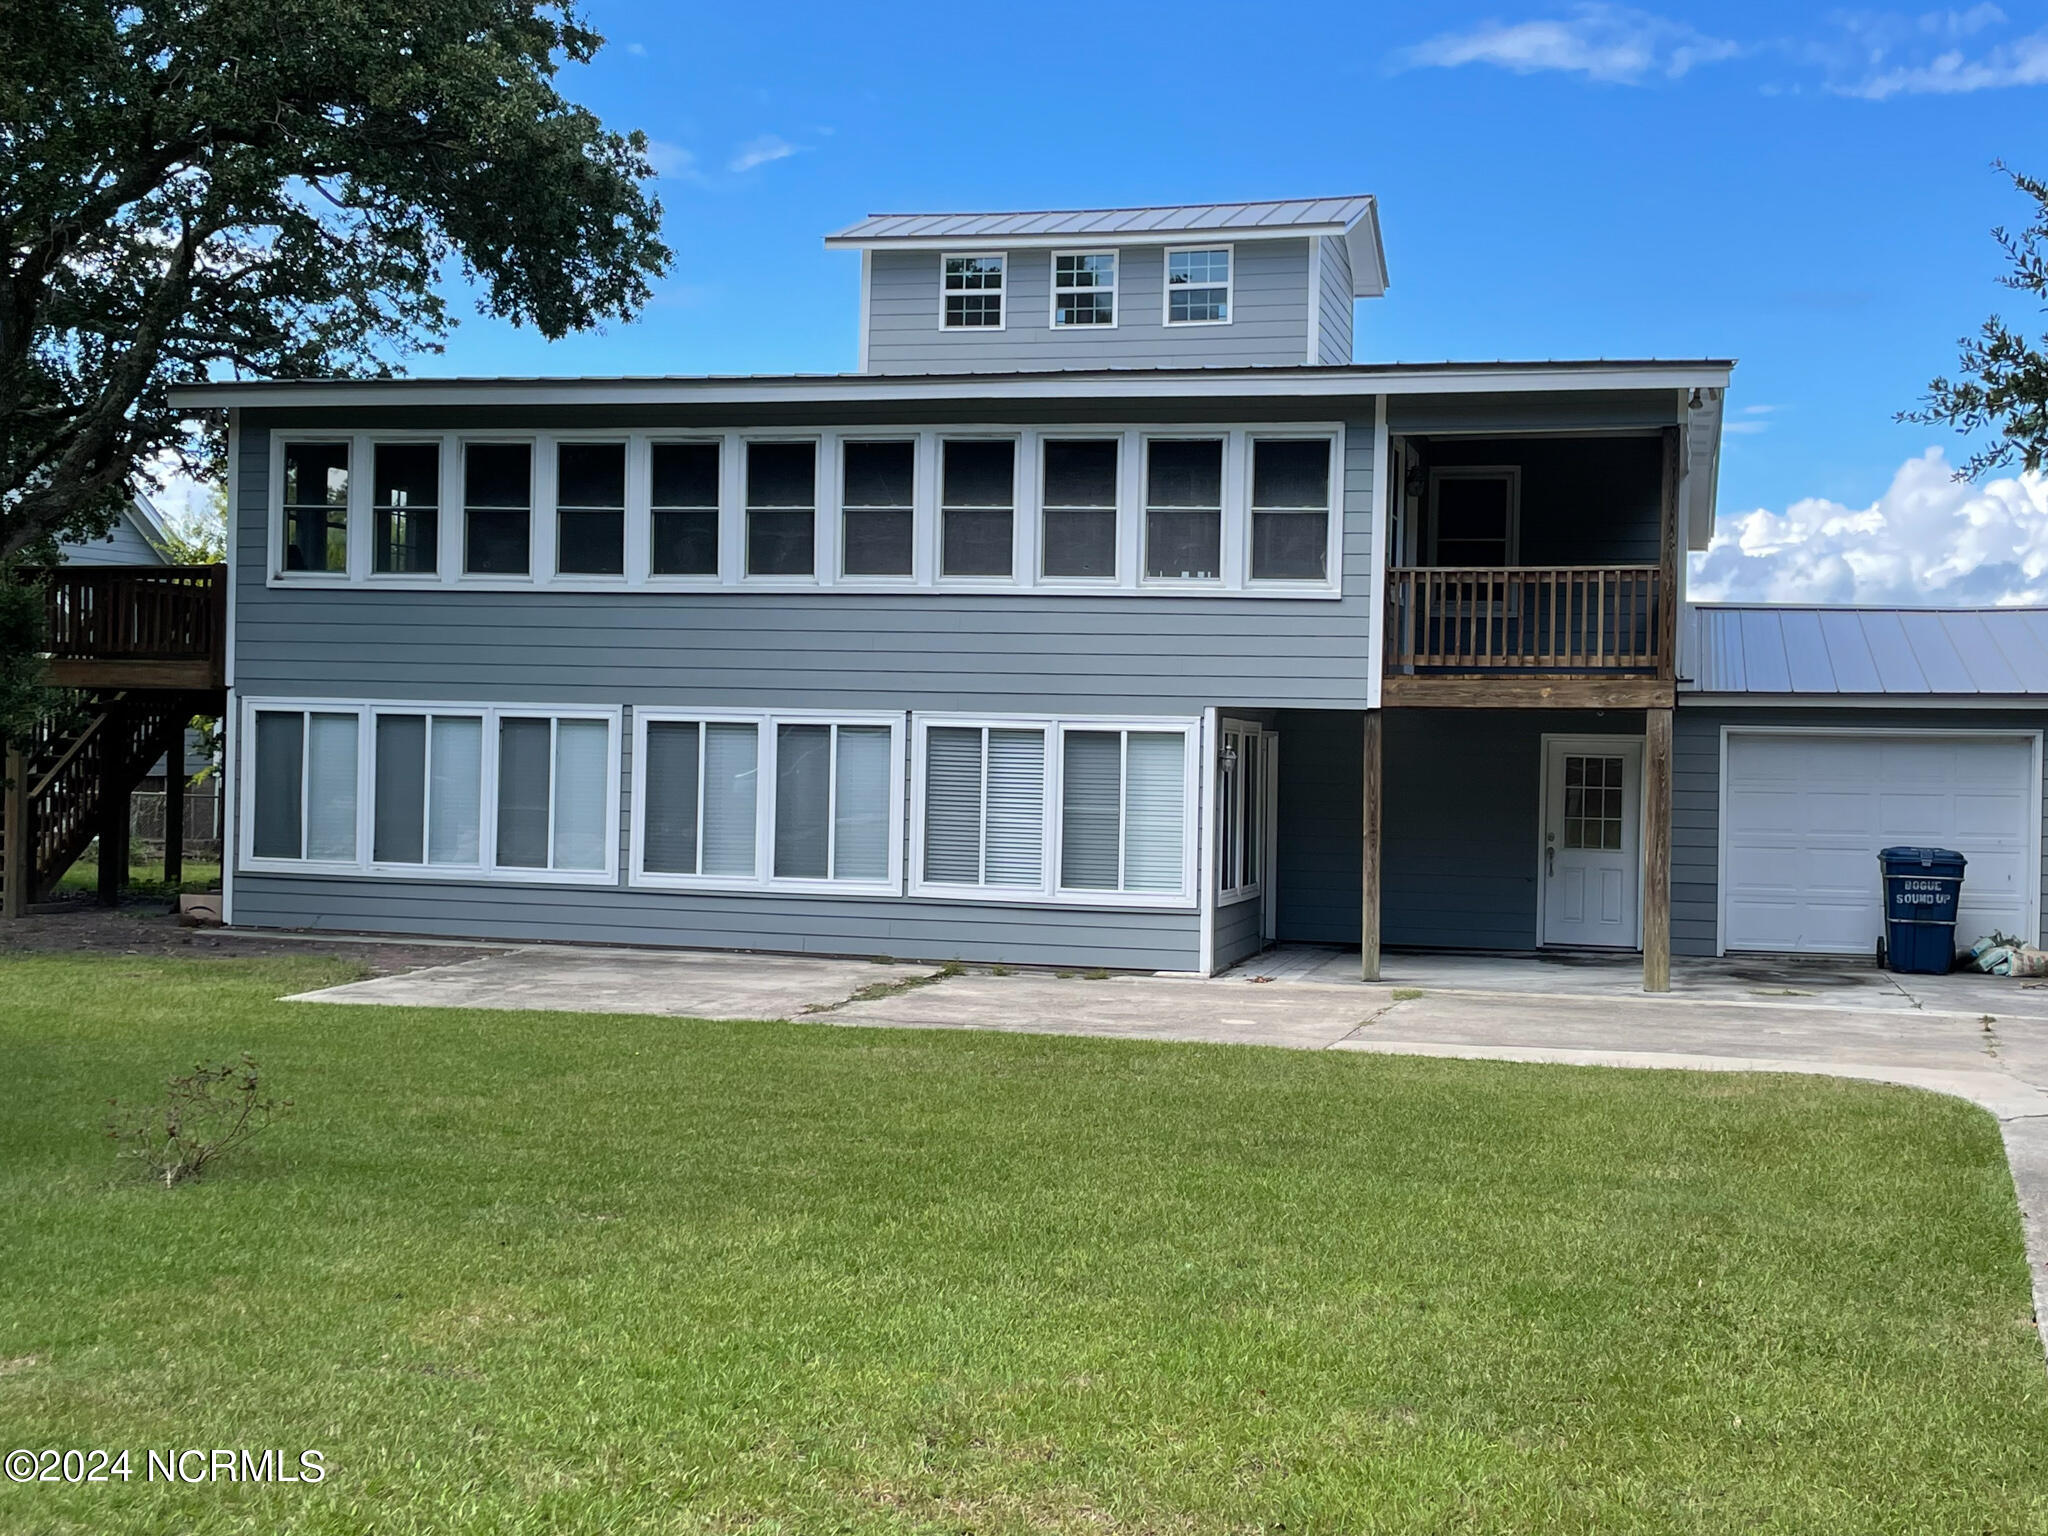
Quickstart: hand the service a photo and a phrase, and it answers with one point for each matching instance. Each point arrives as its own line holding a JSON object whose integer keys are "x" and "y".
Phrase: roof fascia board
{"x": 1140, "y": 385}
{"x": 1368, "y": 254}
{"x": 1079, "y": 239}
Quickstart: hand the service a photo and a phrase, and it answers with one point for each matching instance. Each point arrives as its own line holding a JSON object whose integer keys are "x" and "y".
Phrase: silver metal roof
{"x": 1356, "y": 218}
{"x": 1870, "y": 651}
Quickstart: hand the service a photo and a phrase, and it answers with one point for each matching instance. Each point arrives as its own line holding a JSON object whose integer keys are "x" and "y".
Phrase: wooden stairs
{"x": 136, "y": 652}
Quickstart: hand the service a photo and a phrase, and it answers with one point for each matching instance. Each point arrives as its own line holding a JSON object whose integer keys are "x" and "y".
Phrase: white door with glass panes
{"x": 1592, "y": 853}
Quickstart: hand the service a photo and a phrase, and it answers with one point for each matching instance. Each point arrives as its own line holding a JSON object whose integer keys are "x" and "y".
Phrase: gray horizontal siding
{"x": 1269, "y": 319}
{"x": 1335, "y": 301}
{"x": 122, "y": 545}
{"x": 1237, "y": 935}
{"x": 906, "y": 929}
{"x": 1318, "y": 843}
{"x": 829, "y": 649}
{"x": 1696, "y": 795}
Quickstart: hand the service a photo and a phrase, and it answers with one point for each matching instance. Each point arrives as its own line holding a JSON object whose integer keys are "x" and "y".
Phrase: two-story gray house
{"x": 1107, "y": 615}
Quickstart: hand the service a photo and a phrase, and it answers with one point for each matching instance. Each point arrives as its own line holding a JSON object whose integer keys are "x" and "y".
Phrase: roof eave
{"x": 1368, "y": 253}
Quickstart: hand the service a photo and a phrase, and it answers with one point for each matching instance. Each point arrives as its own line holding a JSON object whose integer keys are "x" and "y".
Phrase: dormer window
{"x": 974, "y": 292}
{"x": 1083, "y": 288}
{"x": 1198, "y": 286}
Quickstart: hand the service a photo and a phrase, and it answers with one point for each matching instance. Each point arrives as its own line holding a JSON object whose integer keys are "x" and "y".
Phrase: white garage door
{"x": 1803, "y": 815}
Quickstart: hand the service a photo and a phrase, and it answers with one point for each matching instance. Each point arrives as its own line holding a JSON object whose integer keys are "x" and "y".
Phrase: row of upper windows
{"x": 1192, "y": 509}
{"x": 1072, "y": 810}
{"x": 1084, "y": 289}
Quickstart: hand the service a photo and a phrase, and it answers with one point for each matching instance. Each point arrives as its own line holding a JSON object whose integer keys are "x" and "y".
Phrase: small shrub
{"x": 951, "y": 968}
{"x": 1098, "y": 974}
{"x": 206, "y": 1113}
{"x": 1001, "y": 970}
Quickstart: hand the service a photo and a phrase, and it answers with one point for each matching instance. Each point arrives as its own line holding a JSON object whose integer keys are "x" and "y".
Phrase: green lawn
{"x": 145, "y": 878}
{"x": 546, "y": 1272}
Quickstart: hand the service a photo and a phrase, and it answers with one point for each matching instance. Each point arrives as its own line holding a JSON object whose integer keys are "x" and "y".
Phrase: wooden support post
{"x": 113, "y": 815}
{"x": 18, "y": 846}
{"x": 1657, "y": 851}
{"x": 174, "y": 802}
{"x": 1369, "y": 894}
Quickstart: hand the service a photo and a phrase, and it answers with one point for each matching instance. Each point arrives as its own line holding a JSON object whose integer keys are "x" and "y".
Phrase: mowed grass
{"x": 548, "y": 1272}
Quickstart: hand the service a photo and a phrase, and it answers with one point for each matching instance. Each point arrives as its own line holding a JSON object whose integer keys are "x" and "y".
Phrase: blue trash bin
{"x": 1922, "y": 887}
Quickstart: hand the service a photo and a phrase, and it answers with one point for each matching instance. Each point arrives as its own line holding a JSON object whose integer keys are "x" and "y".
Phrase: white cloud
{"x": 768, "y": 147}
{"x": 1929, "y": 538}
{"x": 672, "y": 162}
{"x": 1881, "y": 54}
{"x": 1603, "y": 42}
{"x": 638, "y": 50}
{"x": 1749, "y": 420}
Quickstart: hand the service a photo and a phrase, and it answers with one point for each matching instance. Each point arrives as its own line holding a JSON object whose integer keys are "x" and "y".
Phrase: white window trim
{"x": 1002, "y": 291}
{"x": 488, "y": 869}
{"x": 764, "y": 881}
{"x": 1251, "y": 741}
{"x": 1166, "y": 289}
{"x": 1333, "y": 532}
{"x": 1052, "y": 271}
{"x": 1048, "y": 891}
{"x": 1511, "y": 473}
{"x": 1027, "y": 574}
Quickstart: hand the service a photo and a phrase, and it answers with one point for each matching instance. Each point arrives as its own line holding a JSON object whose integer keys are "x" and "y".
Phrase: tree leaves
{"x": 2003, "y": 386}
{"x": 273, "y": 188}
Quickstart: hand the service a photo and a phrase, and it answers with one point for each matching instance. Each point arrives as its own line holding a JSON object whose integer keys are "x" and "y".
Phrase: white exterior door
{"x": 1803, "y": 814}
{"x": 1592, "y": 849}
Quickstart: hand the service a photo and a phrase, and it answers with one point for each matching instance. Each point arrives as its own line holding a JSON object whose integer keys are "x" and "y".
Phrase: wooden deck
{"x": 137, "y": 627}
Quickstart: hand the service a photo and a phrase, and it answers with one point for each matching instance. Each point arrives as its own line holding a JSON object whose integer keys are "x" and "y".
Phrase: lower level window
{"x": 554, "y": 782}
{"x": 429, "y": 789}
{"x": 395, "y": 788}
{"x": 769, "y": 800}
{"x": 1123, "y": 811}
{"x": 305, "y": 786}
{"x": 1071, "y": 809}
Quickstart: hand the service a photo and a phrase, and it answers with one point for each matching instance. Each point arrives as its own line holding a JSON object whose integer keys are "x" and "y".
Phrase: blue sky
{"x": 1810, "y": 193}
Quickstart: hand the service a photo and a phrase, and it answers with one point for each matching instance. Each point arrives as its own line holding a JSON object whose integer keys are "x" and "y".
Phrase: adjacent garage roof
{"x": 1948, "y": 652}
{"x": 1355, "y": 219}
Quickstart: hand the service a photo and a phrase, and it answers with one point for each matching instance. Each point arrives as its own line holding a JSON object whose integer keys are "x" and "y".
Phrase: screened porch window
{"x": 876, "y": 513}
{"x": 683, "y": 530}
{"x": 977, "y": 506}
{"x": 316, "y": 507}
{"x": 497, "y": 498}
{"x": 1184, "y": 509}
{"x": 1290, "y": 509}
{"x": 590, "y": 503}
{"x": 1078, "y": 531}
{"x": 782, "y": 502}
{"x": 405, "y": 534}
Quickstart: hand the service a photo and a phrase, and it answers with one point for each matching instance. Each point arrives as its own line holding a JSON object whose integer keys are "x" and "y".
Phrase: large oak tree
{"x": 275, "y": 188}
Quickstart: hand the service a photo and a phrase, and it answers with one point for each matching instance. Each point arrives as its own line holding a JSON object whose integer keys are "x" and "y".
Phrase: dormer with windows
{"x": 1232, "y": 285}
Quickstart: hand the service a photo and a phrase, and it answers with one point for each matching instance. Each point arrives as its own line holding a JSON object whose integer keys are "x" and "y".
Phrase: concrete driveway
{"x": 1984, "y": 1039}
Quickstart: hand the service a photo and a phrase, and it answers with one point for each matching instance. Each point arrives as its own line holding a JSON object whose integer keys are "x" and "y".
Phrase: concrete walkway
{"x": 1984, "y": 1039}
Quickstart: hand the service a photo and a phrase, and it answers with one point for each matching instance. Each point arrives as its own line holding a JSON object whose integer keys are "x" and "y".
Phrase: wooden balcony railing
{"x": 1522, "y": 619}
{"x": 132, "y": 626}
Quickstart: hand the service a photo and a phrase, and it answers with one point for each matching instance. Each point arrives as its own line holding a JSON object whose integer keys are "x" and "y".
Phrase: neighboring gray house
{"x": 1108, "y": 615}
{"x": 137, "y": 538}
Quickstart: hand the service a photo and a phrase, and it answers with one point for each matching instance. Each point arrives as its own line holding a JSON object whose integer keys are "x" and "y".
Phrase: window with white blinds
{"x": 771, "y": 800}
{"x": 428, "y": 788}
{"x": 1064, "y": 810}
{"x": 984, "y": 811}
{"x": 302, "y": 805}
{"x": 508, "y": 791}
